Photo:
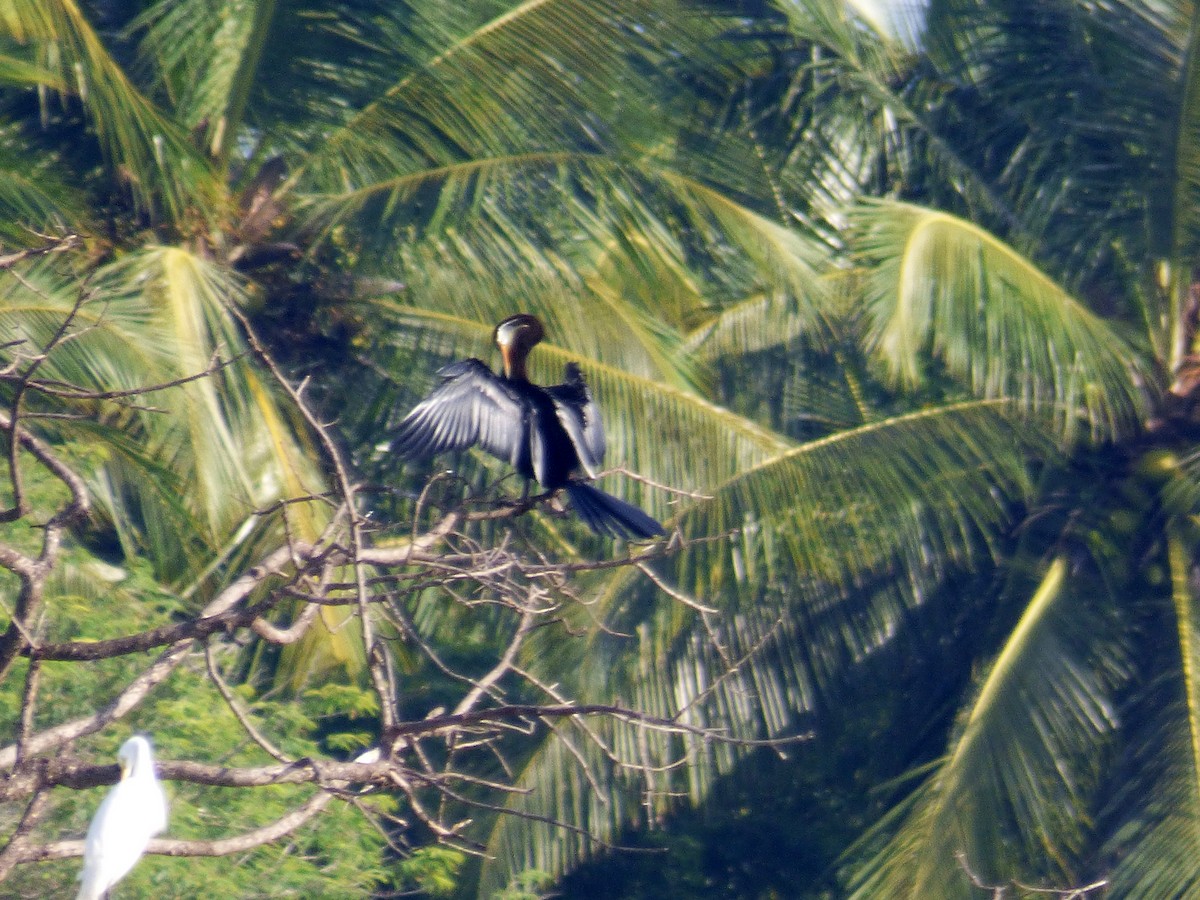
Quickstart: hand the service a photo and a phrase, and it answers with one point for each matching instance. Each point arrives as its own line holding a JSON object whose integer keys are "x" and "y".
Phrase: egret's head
{"x": 134, "y": 754}
{"x": 515, "y": 337}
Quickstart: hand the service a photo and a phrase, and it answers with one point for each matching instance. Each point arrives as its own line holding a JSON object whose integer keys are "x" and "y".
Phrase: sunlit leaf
{"x": 148, "y": 150}
{"x": 940, "y": 284}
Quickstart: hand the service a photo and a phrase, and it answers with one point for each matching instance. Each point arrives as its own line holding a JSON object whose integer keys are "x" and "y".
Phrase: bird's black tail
{"x": 605, "y": 514}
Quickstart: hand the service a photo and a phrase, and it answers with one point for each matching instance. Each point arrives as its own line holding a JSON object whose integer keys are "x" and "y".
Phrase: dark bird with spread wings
{"x": 545, "y": 433}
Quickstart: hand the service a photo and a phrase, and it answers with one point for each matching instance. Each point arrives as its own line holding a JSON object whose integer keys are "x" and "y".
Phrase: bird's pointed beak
{"x": 506, "y": 359}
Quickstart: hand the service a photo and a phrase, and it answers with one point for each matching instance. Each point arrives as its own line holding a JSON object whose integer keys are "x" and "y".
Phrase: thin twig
{"x": 236, "y": 708}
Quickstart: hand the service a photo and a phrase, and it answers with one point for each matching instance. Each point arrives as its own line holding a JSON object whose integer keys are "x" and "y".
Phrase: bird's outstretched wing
{"x": 580, "y": 417}
{"x": 472, "y": 405}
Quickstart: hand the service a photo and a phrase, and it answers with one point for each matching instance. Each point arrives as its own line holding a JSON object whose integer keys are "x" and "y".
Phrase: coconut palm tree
{"x": 671, "y": 201}
{"x": 1009, "y": 209}
{"x": 1020, "y": 185}
{"x": 223, "y": 160}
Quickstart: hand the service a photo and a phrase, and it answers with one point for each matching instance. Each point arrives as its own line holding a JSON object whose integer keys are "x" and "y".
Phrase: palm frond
{"x": 161, "y": 167}
{"x": 619, "y": 249}
{"x": 915, "y": 491}
{"x": 839, "y": 537}
{"x": 899, "y": 22}
{"x": 1019, "y": 771}
{"x": 186, "y": 480}
{"x": 18, "y": 71}
{"x": 546, "y": 74}
{"x": 756, "y": 323}
{"x": 1182, "y": 177}
{"x": 831, "y": 546}
{"x": 862, "y": 123}
{"x": 787, "y": 262}
{"x": 611, "y": 284}
{"x": 686, "y": 679}
{"x": 824, "y": 313}
{"x": 207, "y": 54}
{"x": 563, "y": 795}
{"x": 36, "y": 204}
{"x": 818, "y": 399}
{"x": 1074, "y": 115}
{"x": 151, "y": 318}
{"x": 1185, "y": 175}
{"x": 683, "y": 677}
{"x": 939, "y": 284}
{"x": 1160, "y": 805}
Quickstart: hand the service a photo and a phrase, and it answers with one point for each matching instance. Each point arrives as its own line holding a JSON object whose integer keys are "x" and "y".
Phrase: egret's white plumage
{"x": 133, "y": 812}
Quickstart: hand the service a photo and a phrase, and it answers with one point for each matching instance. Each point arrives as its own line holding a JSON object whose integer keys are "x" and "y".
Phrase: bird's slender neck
{"x": 514, "y": 362}
{"x": 515, "y": 337}
{"x": 141, "y": 766}
{"x": 140, "y": 762}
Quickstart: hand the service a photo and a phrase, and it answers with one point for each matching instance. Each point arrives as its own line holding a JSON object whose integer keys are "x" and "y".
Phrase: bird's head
{"x": 134, "y": 754}
{"x": 515, "y": 337}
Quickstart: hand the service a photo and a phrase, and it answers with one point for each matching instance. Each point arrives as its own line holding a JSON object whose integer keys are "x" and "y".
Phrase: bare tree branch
{"x": 169, "y": 847}
{"x": 1001, "y": 891}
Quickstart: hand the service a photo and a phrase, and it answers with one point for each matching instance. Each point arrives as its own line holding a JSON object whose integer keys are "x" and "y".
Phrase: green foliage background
{"x": 907, "y": 314}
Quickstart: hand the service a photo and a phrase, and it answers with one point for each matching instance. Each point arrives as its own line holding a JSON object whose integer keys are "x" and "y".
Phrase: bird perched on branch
{"x": 546, "y": 433}
{"x": 132, "y": 812}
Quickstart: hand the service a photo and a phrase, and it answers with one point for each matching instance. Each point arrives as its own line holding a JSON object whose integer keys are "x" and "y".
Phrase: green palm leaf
{"x": 873, "y": 519}
{"x": 17, "y": 71}
{"x": 865, "y": 118}
{"x": 756, "y": 323}
{"x": 892, "y": 492}
{"x": 220, "y": 422}
{"x": 1155, "y": 847}
{"x": 939, "y": 283}
{"x": 156, "y": 316}
{"x": 1018, "y": 773}
{"x": 151, "y": 153}
{"x": 1182, "y": 178}
{"x": 648, "y": 245}
{"x": 207, "y": 54}
{"x": 35, "y": 205}
{"x": 545, "y": 74}
{"x": 487, "y": 270}
{"x": 186, "y": 479}
{"x": 666, "y": 665}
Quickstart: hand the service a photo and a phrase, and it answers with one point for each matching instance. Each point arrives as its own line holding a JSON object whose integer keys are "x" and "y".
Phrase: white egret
{"x": 133, "y": 812}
